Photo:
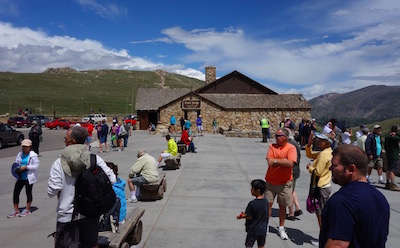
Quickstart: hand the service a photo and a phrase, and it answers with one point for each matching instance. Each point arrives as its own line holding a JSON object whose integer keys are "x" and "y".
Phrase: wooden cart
{"x": 129, "y": 233}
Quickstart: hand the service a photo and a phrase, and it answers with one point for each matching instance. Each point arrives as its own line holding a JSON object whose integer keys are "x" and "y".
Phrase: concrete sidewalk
{"x": 199, "y": 207}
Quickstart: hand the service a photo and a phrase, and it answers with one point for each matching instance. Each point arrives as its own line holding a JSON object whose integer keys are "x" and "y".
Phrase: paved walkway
{"x": 199, "y": 207}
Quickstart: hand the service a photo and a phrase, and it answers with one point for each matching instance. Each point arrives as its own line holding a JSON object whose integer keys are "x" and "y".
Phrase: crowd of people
{"x": 348, "y": 164}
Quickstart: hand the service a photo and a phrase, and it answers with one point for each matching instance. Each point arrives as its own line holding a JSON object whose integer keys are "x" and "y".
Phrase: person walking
{"x": 28, "y": 164}
{"x": 103, "y": 136}
{"x": 75, "y": 158}
{"x": 199, "y": 123}
{"x": 215, "y": 126}
{"x": 373, "y": 148}
{"x": 172, "y": 123}
{"x": 280, "y": 157}
{"x": 34, "y": 136}
{"x": 357, "y": 215}
{"x": 392, "y": 157}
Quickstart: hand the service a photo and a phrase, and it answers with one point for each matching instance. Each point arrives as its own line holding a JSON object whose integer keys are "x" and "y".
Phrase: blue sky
{"x": 306, "y": 47}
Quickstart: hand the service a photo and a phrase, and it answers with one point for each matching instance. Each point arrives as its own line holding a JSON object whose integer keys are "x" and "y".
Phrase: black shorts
{"x": 83, "y": 232}
{"x": 393, "y": 165}
{"x": 251, "y": 239}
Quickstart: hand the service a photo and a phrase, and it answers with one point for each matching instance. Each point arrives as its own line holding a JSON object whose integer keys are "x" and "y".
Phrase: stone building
{"x": 233, "y": 100}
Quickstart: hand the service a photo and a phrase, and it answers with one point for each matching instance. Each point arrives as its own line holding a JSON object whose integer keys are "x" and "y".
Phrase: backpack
{"x": 110, "y": 220}
{"x": 94, "y": 194}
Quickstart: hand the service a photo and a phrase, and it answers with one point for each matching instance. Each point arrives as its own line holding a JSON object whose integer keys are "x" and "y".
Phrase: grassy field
{"x": 110, "y": 91}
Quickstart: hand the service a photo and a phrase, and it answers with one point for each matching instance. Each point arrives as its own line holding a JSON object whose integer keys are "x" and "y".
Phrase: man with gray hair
{"x": 75, "y": 158}
{"x": 142, "y": 172}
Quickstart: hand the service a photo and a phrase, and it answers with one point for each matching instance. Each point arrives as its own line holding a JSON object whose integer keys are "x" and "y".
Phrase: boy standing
{"x": 256, "y": 215}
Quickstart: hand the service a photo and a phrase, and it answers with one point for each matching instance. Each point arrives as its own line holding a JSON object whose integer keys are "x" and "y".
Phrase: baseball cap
{"x": 26, "y": 142}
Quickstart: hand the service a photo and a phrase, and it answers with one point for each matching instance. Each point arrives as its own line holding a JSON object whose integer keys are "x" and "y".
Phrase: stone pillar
{"x": 211, "y": 74}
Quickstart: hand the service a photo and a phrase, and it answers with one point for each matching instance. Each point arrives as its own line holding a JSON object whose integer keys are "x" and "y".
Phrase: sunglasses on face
{"x": 279, "y": 135}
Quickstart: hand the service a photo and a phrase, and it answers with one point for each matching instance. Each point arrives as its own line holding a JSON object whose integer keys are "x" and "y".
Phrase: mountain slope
{"x": 369, "y": 104}
{"x": 70, "y": 92}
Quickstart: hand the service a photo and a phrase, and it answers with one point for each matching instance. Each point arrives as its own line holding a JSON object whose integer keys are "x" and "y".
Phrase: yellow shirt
{"x": 172, "y": 147}
{"x": 321, "y": 163}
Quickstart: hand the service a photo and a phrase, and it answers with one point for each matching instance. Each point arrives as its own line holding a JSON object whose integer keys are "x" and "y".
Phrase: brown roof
{"x": 153, "y": 98}
{"x": 258, "y": 101}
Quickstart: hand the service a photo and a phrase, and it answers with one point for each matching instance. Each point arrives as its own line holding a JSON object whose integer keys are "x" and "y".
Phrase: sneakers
{"x": 298, "y": 212}
{"x": 381, "y": 181}
{"x": 133, "y": 200}
{"x": 24, "y": 213}
{"x": 13, "y": 214}
{"x": 393, "y": 187}
{"x": 292, "y": 218}
{"x": 315, "y": 243}
{"x": 283, "y": 234}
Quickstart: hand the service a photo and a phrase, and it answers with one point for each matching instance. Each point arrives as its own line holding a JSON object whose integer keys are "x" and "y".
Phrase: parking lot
{"x": 199, "y": 207}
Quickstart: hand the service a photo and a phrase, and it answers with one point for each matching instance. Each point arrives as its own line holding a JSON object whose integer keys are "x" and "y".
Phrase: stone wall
{"x": 244, "y": 120}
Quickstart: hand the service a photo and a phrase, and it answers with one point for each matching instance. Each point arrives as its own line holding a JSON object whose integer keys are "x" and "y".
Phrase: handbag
{"x": 313, "y": 194}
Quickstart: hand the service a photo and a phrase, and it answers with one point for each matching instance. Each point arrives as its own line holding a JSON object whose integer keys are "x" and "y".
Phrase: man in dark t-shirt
{"x": 358, "y": 214}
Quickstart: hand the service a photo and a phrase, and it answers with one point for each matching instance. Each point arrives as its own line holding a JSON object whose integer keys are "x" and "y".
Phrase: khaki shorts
{"x": 282, "y": 191}
{"x": 376, "y": 162}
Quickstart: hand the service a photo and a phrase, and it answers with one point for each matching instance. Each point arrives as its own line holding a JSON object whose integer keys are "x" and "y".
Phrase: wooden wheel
{"x": 160, "y": 192}
{"x": 136, "y": 234}
{"x": 125, "y": 245}
{"x": 164, "y": 184}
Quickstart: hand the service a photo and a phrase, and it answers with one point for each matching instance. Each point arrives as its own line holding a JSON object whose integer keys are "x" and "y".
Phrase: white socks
{"x": 133, "y": 194}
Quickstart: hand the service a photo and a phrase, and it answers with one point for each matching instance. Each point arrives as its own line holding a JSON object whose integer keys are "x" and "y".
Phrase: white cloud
{"x": 27, "y": 50}
{"x": 106, "y": 10}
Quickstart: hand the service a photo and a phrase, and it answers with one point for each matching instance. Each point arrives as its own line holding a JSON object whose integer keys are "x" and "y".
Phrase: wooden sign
{"x": 191, "y": 104}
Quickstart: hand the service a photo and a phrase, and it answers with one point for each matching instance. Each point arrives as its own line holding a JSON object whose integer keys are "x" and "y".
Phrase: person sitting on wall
{"x": 188, "y": 141}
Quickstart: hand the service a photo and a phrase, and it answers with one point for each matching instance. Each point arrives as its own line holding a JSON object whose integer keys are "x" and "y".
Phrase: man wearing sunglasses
{"x": 280, "y": 156}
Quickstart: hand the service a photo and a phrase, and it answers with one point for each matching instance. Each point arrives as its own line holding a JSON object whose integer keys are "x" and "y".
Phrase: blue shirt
{"x": 378, "y": 145}
{"x": 24, "y": 162}
{"x": 173, "y": 120}
{"x": 357, "y": 213}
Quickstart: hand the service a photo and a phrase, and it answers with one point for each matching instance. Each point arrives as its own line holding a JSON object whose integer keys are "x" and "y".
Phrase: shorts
{"x": 251, "y": 239}
{"x": 293, "y": 184}
{"x": 376, "y": 162}
{"x": 200, "y": 127}
{"x": 393, "y": 165}
{"x": 138, "y": 181}
{"x": 103, "y": 139}
{"x": 282, "y": 191}
{"x": 81, "y": 233}
{"x": 166, "y": 155}
{"x": 88, "y": 139}
{"x": 323, "y": 198}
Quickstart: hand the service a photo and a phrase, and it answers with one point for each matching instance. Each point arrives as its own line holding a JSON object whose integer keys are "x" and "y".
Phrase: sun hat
{"x": 75, "y": 159}
{"x": 26, "y": 142}
{"x": 323, "y": 137}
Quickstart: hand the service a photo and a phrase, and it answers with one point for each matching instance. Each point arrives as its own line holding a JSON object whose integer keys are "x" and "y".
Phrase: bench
{"x": 181, "y": 148}
{"x": 173, "y": 162}
{"x": 153, "y": 191}
{"x": 129, "y": 233}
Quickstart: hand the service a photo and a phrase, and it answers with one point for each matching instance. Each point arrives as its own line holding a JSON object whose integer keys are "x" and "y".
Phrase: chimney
{"x": 211, "y": 74}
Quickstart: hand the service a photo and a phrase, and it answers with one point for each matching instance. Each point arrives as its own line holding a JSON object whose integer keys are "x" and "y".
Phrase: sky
{"x": 293, "y": 46}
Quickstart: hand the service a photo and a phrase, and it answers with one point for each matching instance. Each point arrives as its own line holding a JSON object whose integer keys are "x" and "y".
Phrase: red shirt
{"x": 185, "y": 137}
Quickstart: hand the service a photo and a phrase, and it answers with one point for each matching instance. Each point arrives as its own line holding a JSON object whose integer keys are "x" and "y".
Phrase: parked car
{"x": 132, "y": 119}
{"x": 39, "y": 118}
{"x": 9, "y": 135}
{"x": 95, "y": 117}
{"x": 18, "y": 121}
{"x": 59, "y": 123}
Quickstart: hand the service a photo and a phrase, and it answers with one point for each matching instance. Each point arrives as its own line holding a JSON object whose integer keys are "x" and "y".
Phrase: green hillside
{"x": 76, "y": 93}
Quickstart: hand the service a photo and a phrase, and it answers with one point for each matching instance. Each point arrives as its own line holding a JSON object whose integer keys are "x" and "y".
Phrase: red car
{"x": 18, "y": 121}
{"x": 59, "y": 123}
{"x": 132, "y": 119}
